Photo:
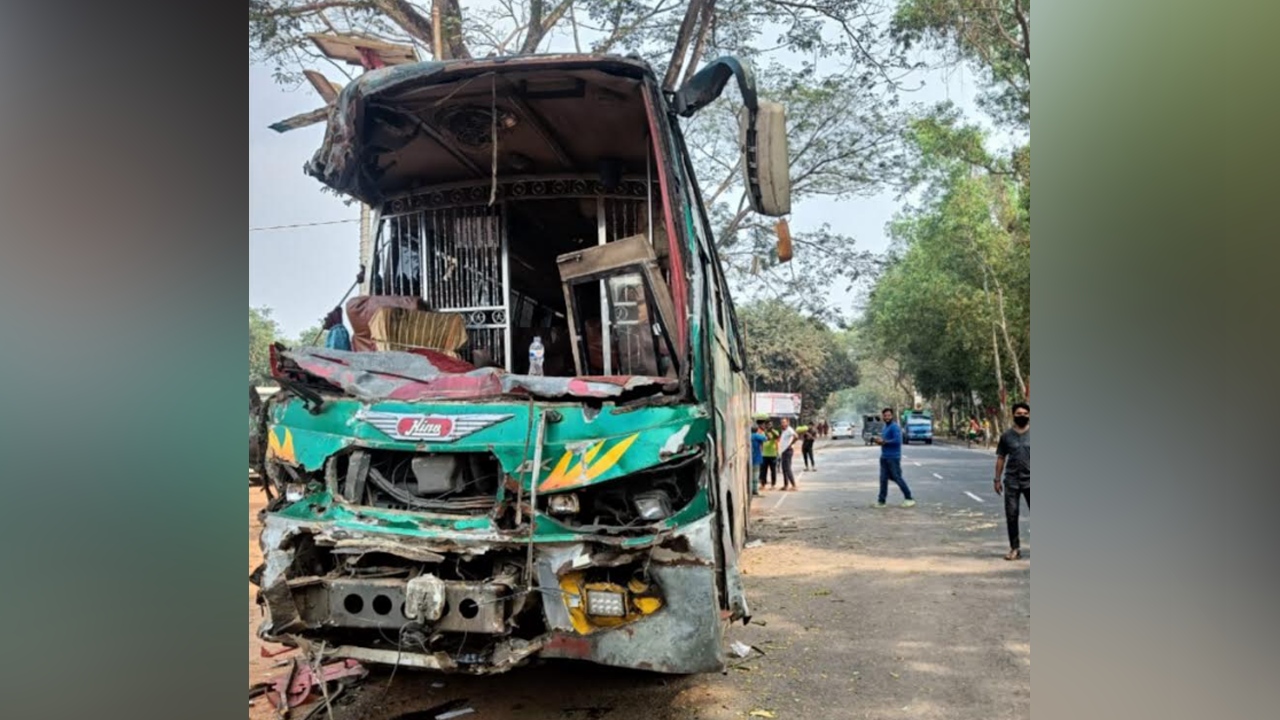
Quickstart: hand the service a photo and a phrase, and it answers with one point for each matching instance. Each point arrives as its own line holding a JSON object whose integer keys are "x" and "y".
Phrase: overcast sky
{"x": 302, "y": 273}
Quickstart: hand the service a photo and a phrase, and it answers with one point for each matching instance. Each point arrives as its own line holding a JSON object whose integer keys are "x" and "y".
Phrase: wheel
{"x": 929, "y": 441}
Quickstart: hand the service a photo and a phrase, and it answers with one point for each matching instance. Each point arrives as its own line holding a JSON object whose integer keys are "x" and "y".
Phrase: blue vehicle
{"x": 917, "y": 426}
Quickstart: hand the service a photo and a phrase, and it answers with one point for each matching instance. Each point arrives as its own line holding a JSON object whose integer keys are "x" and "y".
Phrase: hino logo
{"x": 416, "y": 427}
{"x": 424, "y": 427}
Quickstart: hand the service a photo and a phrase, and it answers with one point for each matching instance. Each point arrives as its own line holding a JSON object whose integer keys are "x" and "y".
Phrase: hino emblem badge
{"x": 416, "y": 427}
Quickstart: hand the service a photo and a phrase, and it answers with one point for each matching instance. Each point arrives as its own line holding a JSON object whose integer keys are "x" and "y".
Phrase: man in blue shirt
{"x": 757, "y": 456}
{"x": 890, "y": 442}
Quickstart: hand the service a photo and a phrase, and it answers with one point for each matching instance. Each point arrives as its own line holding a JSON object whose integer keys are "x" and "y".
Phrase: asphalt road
{"x": 858, "y": 612}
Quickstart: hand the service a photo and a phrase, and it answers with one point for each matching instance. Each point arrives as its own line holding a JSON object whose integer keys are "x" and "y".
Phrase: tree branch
{"x": 315, "y": 8}
{"x": 1025, "y": 22}
{"x": 620, "y": 31}
{"x": 1017, "y": 44}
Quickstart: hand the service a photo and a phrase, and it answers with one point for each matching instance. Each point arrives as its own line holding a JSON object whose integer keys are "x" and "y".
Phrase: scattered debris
{"x": 740, "y": 649}
{"x": 455, "y": 713}
{"x": 296, "y": 687}
{"x": 755, "y": 544}
{"x": 763, "y": 714}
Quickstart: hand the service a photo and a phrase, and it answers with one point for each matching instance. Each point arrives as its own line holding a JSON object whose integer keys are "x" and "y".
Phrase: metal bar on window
{"x": 506, "y": 286}
{"x": 606, "y": 344}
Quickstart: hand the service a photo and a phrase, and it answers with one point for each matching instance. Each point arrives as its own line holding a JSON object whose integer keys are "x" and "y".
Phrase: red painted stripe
{"x": 679, "y": 291}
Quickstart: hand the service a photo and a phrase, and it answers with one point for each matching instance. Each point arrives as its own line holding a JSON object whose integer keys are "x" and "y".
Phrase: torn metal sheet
{"x": 403, "y": 376}
{"x": 360, "y": 129}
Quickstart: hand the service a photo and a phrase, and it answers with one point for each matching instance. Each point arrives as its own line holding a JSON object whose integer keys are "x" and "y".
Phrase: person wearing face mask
{"x": 1013, "y": 461}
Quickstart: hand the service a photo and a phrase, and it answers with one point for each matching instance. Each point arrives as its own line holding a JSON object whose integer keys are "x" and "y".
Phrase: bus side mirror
{"x": 766, "y": 165}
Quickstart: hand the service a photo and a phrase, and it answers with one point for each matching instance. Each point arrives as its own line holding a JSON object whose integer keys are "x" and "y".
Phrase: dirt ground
{"x": 857, "y": 613}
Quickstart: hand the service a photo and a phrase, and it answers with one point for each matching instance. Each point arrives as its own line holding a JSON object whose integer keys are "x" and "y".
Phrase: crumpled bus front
{"x": 458, "y": 556}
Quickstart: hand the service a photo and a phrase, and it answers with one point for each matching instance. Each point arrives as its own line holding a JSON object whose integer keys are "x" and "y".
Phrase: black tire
{"x": 929, "y": 441}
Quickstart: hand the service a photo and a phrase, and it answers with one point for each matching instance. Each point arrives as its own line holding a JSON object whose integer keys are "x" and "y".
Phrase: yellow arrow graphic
{"x": 589, "y": 468}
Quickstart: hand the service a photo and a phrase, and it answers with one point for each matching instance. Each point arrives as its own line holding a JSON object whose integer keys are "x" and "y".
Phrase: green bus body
{"x": 364, "y": 552}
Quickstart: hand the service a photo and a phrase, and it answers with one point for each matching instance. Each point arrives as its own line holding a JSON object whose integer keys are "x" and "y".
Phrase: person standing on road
{"x": 1013, "y": 461}
{"x": 769, "y": 451}
{"x": 757, "y": 457}
{"x": 807, "y": 439}
{"x": 890, "y": 442}
{"x": 787, "y": 451}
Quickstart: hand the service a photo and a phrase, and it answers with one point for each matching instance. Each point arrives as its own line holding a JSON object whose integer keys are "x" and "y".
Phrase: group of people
{"x": 773, "y": 448}
{"x": 1012, "y": 477}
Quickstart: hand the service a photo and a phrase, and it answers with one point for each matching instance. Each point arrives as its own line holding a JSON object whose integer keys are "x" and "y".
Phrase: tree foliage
{"x": 993, "y": 35}
{"x": 311, "y": 337}
{"x": 954, "y": 306}
{"x": 788, "y": 351}
{"x": 842, "y": 143}
{"x": 263, "y": 331}
{"x": 882, "y": 382}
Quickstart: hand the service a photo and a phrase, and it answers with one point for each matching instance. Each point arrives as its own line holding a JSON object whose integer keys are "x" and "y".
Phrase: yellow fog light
{"x": 601, "y": 603}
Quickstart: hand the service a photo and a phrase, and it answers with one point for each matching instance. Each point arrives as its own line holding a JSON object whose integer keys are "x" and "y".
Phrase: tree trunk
{"x": 1008, "y": 341}
{"x": 708, "y": 12}
{"x": 682, "y": 45}
{"x": 410, "y": 20}
{"x": 534, "y": 34}
{"x": 995, "y": 350}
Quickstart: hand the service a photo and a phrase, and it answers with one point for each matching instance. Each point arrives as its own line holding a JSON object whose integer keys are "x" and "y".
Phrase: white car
{"x": 843, "y": 430}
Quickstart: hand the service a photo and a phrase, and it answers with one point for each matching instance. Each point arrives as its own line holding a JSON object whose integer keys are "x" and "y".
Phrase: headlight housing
{"x": 563, "y": 504}
{"x": 653, "y": 505}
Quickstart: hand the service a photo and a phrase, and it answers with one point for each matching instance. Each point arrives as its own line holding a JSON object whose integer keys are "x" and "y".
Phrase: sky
{"x": 301, "y": 273}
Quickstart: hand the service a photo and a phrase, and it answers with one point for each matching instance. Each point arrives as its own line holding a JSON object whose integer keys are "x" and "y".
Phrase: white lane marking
{"x": 919, "y": 465}
{"x": 937, "y": 476}
{"x": 975, "y": 497}
{"x": 780, "y": 501}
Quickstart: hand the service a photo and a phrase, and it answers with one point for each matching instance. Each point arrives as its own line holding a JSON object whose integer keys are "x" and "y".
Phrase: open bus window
{"x": 637, "y": 342}
{"x": 635, "y": 335}
{"x": 618, "y": 305}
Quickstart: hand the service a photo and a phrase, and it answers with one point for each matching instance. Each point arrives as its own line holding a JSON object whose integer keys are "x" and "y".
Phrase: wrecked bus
{"x": 437, "y": 505}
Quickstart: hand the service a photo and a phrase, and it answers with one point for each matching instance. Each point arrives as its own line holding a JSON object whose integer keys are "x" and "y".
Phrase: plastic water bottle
{"x": 536, "y": 354}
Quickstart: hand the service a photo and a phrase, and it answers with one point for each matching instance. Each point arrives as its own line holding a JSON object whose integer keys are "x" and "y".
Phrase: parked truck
{"x": 438, "y": 507}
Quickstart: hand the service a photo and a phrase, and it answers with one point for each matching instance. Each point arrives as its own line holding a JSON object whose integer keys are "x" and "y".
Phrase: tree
{"x": 849, "y": 29}
{"x": 263, "y": 331}
{"x": 993, "y": 35}
{"x": 842, "y": 142}
{"x": 788, "y": 351}
{"x": 954, "y": 307}
{"x": 311, "y": 337}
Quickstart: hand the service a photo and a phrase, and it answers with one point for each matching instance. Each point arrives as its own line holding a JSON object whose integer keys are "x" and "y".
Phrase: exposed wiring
{"x": 302, "y": 225}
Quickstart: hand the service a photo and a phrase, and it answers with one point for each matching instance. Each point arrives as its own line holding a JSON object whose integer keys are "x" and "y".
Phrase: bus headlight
{"x": 563, "y": 504}
{"x": 653, "y": 505}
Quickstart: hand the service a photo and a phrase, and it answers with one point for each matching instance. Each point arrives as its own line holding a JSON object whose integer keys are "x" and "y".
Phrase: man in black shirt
{"x": 1013, "y": 461}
